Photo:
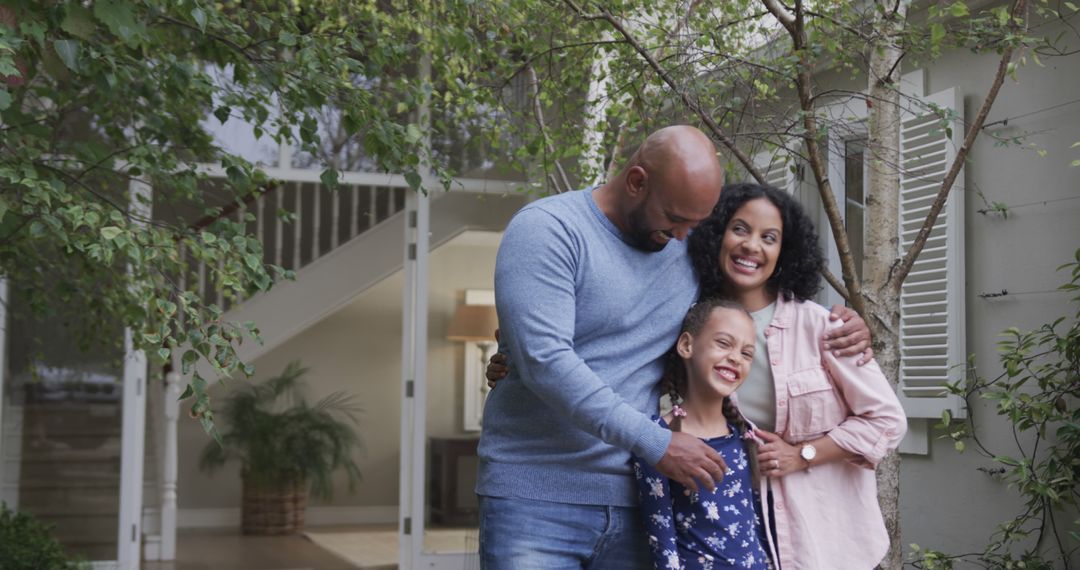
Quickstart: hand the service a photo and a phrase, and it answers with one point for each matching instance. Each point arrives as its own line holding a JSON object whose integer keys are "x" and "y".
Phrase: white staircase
{"x": 332, "y": 280}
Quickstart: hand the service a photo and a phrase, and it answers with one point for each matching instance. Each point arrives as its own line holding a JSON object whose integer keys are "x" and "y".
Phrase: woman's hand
{"x": 777, "y": 457}
{"x": 498, "y": 367}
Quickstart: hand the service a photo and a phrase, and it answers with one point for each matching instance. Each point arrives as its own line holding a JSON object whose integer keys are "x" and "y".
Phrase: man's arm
{"x": 535, "y": 295}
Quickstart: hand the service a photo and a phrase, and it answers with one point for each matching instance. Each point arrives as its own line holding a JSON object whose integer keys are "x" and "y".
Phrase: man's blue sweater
{"x": 586, "y": 319}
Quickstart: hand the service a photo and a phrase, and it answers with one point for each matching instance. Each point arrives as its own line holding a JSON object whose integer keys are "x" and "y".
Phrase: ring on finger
{"x": 776, "y": 464}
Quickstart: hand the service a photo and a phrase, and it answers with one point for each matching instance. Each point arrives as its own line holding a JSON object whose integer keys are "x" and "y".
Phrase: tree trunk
{"x": 882, "y": 249}
{"x": 883, "y": 309}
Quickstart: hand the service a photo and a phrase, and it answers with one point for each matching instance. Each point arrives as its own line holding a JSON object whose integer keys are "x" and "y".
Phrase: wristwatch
{"x": 808, "y": 452}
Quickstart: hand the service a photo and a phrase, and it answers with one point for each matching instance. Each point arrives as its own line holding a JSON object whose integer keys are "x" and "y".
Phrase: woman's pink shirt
{"x": 827, "y": 517}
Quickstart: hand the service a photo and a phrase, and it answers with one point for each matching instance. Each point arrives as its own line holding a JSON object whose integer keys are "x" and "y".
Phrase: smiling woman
{"x": 750, "y": 248}
{"x": 799, "y": 257}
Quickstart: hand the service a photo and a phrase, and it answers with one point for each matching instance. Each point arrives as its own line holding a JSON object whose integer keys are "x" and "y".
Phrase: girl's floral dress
{"x": 706, "y": 530}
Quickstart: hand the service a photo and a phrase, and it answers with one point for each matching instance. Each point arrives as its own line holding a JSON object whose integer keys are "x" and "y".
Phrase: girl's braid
{"x": 674, "y": 384}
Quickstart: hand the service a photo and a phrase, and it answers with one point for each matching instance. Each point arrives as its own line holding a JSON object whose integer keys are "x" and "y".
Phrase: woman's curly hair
{"x": 797, "y": 270}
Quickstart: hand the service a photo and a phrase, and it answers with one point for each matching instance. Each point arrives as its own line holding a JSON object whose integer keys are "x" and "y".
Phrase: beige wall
{"x": 358, "y": 349}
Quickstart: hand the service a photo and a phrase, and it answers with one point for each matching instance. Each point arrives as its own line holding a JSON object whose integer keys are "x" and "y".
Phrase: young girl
{"x": 706, "y": 529}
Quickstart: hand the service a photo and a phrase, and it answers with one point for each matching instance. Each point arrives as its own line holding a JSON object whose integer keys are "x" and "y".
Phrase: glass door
{"x": 62, "y": 444}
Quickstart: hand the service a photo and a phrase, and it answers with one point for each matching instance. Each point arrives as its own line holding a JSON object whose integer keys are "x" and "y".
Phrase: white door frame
{"x": 133, "y": 438}
{"x": 3, "y": 382}
{"x": 133, "y": 441}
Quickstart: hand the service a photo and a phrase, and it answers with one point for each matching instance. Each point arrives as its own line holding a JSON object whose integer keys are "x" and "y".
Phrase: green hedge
{"x": 28, "y": 544}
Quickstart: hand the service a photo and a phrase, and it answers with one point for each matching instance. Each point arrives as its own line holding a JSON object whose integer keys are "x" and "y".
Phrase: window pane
{"x": 854, "y": 228}
{"x": 854, "y": 156}
{"x": 853, "y": 169}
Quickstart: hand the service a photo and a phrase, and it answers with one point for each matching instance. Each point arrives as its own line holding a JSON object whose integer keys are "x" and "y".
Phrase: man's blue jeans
{"x": 523, "y": 534}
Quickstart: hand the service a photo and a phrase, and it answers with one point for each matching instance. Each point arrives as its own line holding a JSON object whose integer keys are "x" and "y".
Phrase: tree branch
{"x": 538, "y": 114}
{"x": 687, "y": 100}
{"x": 903, "y": 267}
{"x": 797, "y": 30}
{"x": 849, "y": 29}
{"x": 786, "y": 19}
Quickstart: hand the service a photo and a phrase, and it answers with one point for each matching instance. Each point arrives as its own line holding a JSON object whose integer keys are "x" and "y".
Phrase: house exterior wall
{"x": 946, "y": 502}
{"x": 358, "y": 349}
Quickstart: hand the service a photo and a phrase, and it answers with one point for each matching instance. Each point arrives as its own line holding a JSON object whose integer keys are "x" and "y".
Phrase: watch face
{"x": 808, "y": 452}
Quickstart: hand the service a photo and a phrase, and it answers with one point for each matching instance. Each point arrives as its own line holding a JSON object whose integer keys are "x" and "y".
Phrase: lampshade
{"x": 476, "y": 323}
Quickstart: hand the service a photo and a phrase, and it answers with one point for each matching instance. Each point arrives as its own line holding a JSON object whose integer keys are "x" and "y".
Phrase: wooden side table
{"x": 452, "y": 465}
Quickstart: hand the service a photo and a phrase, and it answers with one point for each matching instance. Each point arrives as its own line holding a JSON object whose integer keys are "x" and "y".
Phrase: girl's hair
{"x": 797, "y": 269}
{"x": 674, "y": 380}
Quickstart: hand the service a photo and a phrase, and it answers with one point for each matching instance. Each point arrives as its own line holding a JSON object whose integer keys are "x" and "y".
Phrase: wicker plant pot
{"x": 270, "y": 510}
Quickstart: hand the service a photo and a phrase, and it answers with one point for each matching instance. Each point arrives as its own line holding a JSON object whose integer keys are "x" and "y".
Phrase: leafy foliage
{"x": 1038, "y": 394}
{"x": 101, "y": 102}
{"x": 280, "y": 439}
{"x": 28, "y": 544}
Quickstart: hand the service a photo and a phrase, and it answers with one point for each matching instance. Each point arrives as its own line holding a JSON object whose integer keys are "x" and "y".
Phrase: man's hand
{"x": 690, "y": 462}
{"x": 850, "y": 339}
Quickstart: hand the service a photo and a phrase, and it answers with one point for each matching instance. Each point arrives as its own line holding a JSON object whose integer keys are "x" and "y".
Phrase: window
{"x": 855, "y": 199}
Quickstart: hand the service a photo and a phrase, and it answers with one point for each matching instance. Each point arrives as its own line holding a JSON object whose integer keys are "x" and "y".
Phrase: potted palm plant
{"x": 285, "y": 447}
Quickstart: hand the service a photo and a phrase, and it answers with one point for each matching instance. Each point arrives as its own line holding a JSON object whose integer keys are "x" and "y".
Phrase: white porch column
{"x": 170, "y": 462}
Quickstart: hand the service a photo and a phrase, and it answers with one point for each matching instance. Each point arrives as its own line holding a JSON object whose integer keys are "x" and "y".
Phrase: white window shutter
{"x": 932, "y": 337}
{"x": 778, "y": 168}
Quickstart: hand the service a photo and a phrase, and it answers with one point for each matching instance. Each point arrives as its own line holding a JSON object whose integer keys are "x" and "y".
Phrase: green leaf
{"x": 253, "y": 261}
{"x": 188, "y": 359}
{"x": 959, "y": 10}
{"x": 223, "y": 113}
{"x": 1075, "y": 163}
{"x": 164, "y": 353}
{"x": 118, "y": 16}
{"x": 414, "y": 180}
{"x": 937, "y": 33}
{"x": 413, "y": 134}
{"x": 208, "y": 238}
{"x": 200, "y": 18}
{"x": 68, "y": 50}
{"x": 959, "y": 445}
{"x": 111, "y": 232}
{"x": 5, "y": 99}
{"x": 329, "y": 178}
{"x": 78, "y": 22}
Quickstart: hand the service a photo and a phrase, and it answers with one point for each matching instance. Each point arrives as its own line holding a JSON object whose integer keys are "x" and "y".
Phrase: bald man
{"x": 590, "y": 288}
